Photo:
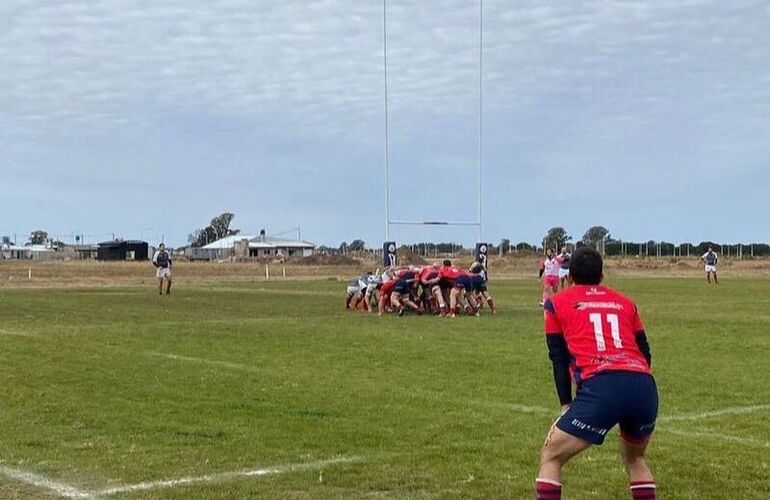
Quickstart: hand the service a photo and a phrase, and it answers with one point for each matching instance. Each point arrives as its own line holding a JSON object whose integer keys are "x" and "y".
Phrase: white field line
{"x": 719, "y": 437}
{"x": 732, "y": 410}
{"x": 224, "y": 476}
{"x": 223, "y": 364}
{"x": 16, "y": 333}
{"x": 42, "y": 482}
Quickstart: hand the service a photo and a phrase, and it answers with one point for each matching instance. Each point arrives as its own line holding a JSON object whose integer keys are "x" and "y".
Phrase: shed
{"x": 123, "y": 250}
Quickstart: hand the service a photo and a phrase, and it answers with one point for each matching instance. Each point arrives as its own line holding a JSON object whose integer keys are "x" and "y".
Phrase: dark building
{"x": 123, "y": 250}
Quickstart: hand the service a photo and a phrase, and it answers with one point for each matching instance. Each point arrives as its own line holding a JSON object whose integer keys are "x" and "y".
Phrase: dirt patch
{"x": 407, "y": 257}
{"x": 328, "y": 260}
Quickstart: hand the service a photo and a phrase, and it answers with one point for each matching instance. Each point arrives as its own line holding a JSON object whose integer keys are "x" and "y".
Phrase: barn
{"x": 123, "y": 250}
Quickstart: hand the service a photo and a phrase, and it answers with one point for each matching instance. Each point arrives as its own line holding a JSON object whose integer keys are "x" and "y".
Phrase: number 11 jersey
{"x": 600, "y": 327}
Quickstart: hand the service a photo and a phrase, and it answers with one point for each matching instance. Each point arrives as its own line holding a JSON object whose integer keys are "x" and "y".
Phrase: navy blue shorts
{"x": 479, "y": 283}
{"x": 402, "y": 286}
{"x": 464, "y": 283}
{"x": 610, "y": 398}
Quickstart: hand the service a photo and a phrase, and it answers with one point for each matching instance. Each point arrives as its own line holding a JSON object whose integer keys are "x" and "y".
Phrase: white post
{"x": 267, "y": 272}
{"x": 284, "y": 271}
{"x": 30, "y": 273}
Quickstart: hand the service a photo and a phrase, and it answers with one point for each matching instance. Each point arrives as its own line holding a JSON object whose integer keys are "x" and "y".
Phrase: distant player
{"x": 462, "y": 290}
{"x": 549, "y": 273}
{"x": 710, "y": 260}
{"x": 432, "y": 299}
{"x": 162, "y": 262}
{"x": 479, "y": 280}
{"x": 354, "y": 287}
{"x": 596, "y": 334}
{"x": 563, "y": 258}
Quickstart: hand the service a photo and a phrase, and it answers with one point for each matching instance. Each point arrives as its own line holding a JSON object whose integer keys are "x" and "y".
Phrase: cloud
{"x": 631, "y": 91}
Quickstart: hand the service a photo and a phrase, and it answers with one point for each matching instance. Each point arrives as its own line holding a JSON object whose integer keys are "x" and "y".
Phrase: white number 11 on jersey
{"x": 612, "y": 319}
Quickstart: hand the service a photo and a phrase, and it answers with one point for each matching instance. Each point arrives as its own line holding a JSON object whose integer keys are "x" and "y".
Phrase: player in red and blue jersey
{"x": 596, "y": 335}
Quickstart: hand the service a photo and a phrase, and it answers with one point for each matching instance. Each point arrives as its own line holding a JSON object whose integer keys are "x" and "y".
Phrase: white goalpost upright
{"x": 389, "y": 256}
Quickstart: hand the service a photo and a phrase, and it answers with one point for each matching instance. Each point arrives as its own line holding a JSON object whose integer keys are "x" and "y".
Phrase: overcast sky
{"x": 148, "y": 118}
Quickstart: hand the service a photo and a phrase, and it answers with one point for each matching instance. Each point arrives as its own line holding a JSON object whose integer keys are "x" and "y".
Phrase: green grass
{"x": 107, "y": 387}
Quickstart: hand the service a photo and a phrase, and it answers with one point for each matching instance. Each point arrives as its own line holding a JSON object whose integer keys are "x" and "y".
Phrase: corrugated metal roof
{"x": 228, "y": 242}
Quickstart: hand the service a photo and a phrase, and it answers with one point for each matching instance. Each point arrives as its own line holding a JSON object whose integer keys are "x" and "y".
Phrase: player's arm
{"x": 558, "y": 353}
{"x": 542, "y": 270}
{"x": 155, "y": 259}
{"x": 644, "y": 346}
{"x": 641, "y": 337}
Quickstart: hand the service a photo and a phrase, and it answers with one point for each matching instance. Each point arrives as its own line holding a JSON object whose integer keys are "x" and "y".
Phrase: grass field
{"x": 272, "y": 390}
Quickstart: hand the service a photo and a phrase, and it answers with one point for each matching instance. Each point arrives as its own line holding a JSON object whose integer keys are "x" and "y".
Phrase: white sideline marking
{"x": 223, "y": 476}
{"x": 224, "y": 364}
{"x": 62, "y": 489}
{"x": 720, "y": 437}
{"x": 16, "y": 333}
{"x": 733, "y": 410}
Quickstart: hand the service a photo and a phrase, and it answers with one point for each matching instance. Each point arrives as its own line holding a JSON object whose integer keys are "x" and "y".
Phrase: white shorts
{"x": 352, "y": 290}
{"x": 711, "y": 269}
{"x": 163, "y": 272}
{"x": 563, "y": 273}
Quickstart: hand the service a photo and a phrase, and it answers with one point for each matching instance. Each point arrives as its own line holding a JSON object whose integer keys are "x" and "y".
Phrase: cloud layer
{"x": 586, "y": 101}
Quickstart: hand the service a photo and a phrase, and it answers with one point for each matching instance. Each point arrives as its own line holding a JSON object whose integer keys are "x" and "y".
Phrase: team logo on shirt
{"x": 581, "y": 306}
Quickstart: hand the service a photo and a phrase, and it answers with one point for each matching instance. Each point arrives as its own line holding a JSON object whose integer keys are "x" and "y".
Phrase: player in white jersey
{"x": 549, "y": 272}
{"x": 162, "y": 262}
{"x": 710, "y": 259}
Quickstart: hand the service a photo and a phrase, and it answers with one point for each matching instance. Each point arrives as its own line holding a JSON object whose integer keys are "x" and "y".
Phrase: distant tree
{"x": 357, "y": 246}
{"x": 556, "y": 238}
{"x": 38, "y": 237}
{"x": 344, "y": 247}
{"x": 218, "y": 228}
{"x": 505, "y": 246}
{"x": 595, "y": 236}
{"x": 523, "y": 245}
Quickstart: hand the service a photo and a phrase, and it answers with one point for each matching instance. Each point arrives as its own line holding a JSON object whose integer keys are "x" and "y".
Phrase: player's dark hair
{"x": 447, "y": 262}
{"x": 585, "y": 267}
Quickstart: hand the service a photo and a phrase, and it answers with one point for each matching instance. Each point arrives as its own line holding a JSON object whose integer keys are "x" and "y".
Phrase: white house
{"x": 259, "y": 246}
{"x": 26, "y": 252}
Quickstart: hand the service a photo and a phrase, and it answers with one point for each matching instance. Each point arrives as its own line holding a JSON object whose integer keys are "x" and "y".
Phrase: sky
{"x": 146, "y": 119}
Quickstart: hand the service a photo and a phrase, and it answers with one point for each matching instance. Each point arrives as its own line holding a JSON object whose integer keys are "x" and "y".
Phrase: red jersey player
{"x": 596, "y": 334}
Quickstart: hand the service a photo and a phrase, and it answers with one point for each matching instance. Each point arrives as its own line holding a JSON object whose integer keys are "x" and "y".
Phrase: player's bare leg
{"x": 168, "y": 285}
{"x": 453, "y": 299}
{"x": 160, "y": 286}
{"x": 558, "y": 449}
{"x": 436, "y": 290}
{"x": 640, "y": 477}
{"x": 347, "y": 301}
{"x": 490, "y": 302}
{"x": 716, "y": 280}
{"x": 473, "y": 303}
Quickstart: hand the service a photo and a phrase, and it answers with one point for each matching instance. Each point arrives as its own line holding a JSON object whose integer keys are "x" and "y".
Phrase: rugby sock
{"x": 491, "y": 305}
{"x": 547, "y": 489}
{"x": 453, "y": 310}
{"x": 643, "y": 490}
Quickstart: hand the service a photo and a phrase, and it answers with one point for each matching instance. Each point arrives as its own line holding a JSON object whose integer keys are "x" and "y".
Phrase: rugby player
{"x": 432, "y": 298}
{"x": 563, "y": 258}
{"x": 479, "y": 280}
{"x": 710, "y": 260}
{"x": 405, "y": 283}
{"x": 162, "y": 262}
{"x": 596, "y": 334}
{"x": 549, "y": 273}
{"x": 462, "y": 289}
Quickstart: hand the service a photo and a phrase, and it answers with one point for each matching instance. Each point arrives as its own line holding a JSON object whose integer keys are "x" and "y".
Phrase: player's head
{"x": 476, "y": 268}
{"x": 564, "y": 251}
{"x": 586, "y": 267}
{"x": 436, "y": 265}
{"x": 549, "y": 253}
{"x": 161, "y": 247}
{"x": 711, "y": 250}
{"x": 447, "y": 263}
